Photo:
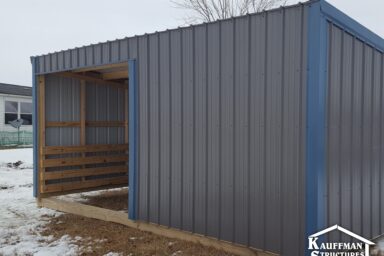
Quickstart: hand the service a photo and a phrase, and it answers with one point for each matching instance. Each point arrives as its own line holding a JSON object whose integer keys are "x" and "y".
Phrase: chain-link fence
{"x": 15, "y": 138}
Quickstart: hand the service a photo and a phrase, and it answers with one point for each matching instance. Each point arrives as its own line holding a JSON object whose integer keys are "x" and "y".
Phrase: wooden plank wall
{"x": 63, "y": 169}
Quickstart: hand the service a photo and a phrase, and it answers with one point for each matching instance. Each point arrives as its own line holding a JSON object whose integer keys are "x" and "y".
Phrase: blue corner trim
{"x": 133, "y": 125}
{"x": 352, "y": 26}
{"x": 316, "y": 131}
{"x": 34, "y": 125}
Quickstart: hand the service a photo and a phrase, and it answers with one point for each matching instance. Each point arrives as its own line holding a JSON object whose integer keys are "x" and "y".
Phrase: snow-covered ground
{"x": 20, "y": 220}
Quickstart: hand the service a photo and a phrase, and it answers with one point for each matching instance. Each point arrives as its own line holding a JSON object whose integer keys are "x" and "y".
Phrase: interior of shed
{"x": 83, "y": 129}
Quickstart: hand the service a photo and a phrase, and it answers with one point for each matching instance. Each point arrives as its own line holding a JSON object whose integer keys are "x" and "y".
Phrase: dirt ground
{"x": 100, "y": 237}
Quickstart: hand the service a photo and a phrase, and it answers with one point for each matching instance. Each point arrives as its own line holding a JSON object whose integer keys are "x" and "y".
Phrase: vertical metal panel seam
{"x": 265, "y": 132}
{"x": 301, "y": 115}
{"x": 352, "y": 122}
{"x": 93, "y": 55}
{"x": 77, "y": 57}
{"x": 138, "y": 124}
{"x": 193, "y": 129}
{"x": 371, "y": 143}
{"x": 132, "y": 194}
{"x": 119, "y": 50}
{"x": 102, "y": 53}
{"x": 50, "y": 61}
{"x": 85, "y": 57}
{"x": 57, "y": 61}
{"x": 220, "y": 134}
{"x": 129, "y": 52}
{"x": 206, "y": 130}
{"x": 282, "y": 73}
{"x": 170, "y": 127}
{"x": 70, "y": 59}
{"x": 149, "y": 130}
{"x": 249, "y": 131}
{"x": 182, "y": 130}
{"x": 43, "y": 60}
{"x": 110, "y": 51}
{"x": 158, "y": 130}
{"x": 340, "y": 120}
{"x": 361, "y": 137}
{"x": 234, "y": 131}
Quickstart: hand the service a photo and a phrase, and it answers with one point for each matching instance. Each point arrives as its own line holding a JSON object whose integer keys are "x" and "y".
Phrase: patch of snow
{"x": 82, "y": 197}
{"x": 101, "y": 240}
{"x": 21, "y": 221}
{"x": 135, "y": 238}
{"x": 113, "y": 254}
{"x": 13, "y": 155}
{"x": 177, "y": 253}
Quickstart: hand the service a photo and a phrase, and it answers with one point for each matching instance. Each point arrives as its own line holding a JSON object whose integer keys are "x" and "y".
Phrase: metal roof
{"x": 15, "y": 89}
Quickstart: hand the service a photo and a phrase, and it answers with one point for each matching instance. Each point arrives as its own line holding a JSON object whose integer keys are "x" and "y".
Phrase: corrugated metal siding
{"x": 354, "y": 128}
{"x": 63, "y": 105}
{"x": 104, "y": 103}
{"x": 222, "y": 129}
{"x": 221, "y": 125}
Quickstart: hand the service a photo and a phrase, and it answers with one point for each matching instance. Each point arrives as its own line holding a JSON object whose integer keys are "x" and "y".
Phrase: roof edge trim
{"x": 308, "y": 2}
{"x": 352, "y": 26}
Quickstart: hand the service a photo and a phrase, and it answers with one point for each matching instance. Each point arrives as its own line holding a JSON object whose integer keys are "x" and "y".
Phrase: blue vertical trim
{"x": 133, "y": 115}
{"x": 34, "y": 125}
{"x": 316, "y": 117}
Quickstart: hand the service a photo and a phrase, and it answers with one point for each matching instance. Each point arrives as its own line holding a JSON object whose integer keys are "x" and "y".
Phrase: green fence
{"x": 13, "y": 138}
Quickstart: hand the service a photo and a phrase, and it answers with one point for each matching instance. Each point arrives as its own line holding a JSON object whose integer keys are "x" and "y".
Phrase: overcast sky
{"x": 34, "y": 27}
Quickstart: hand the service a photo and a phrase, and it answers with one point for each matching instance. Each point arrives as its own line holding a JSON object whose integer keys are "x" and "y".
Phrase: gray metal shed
{"x": 258, "y": 130}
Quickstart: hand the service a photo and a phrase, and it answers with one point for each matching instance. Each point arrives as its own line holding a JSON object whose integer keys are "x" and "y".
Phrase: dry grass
{"x": 100, "y": 237}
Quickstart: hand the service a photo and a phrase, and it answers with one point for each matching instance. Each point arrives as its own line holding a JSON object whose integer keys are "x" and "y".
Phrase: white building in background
{"x": 15, "y": 103}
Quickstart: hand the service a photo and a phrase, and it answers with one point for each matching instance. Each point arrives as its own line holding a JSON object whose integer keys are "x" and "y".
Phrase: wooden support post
{"x": 41, "y": 132}
{"x": 82, "y": 117}
{"x": 126, "y": 135}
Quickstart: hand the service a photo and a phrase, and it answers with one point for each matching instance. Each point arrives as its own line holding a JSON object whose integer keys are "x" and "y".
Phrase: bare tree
{"x": 210, "y": 10}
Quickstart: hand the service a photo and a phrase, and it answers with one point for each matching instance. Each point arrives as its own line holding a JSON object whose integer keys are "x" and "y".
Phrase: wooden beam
{"x": 96, "y": 68}
{"x": 115, "y": 75}
{"x": 122, "y": 218}
{"x": 85, "y": 172}
{"x": 123, "y": 180}
{"x": 92, "y": 79}
{"x": 75, "y": 161}
{"x": 56, "y": 150}
{"x": 41, "y": 130}
{"x": 106, "y": 123}
{"x": 63, "y": 124}
{"x": 87, "y": 123}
